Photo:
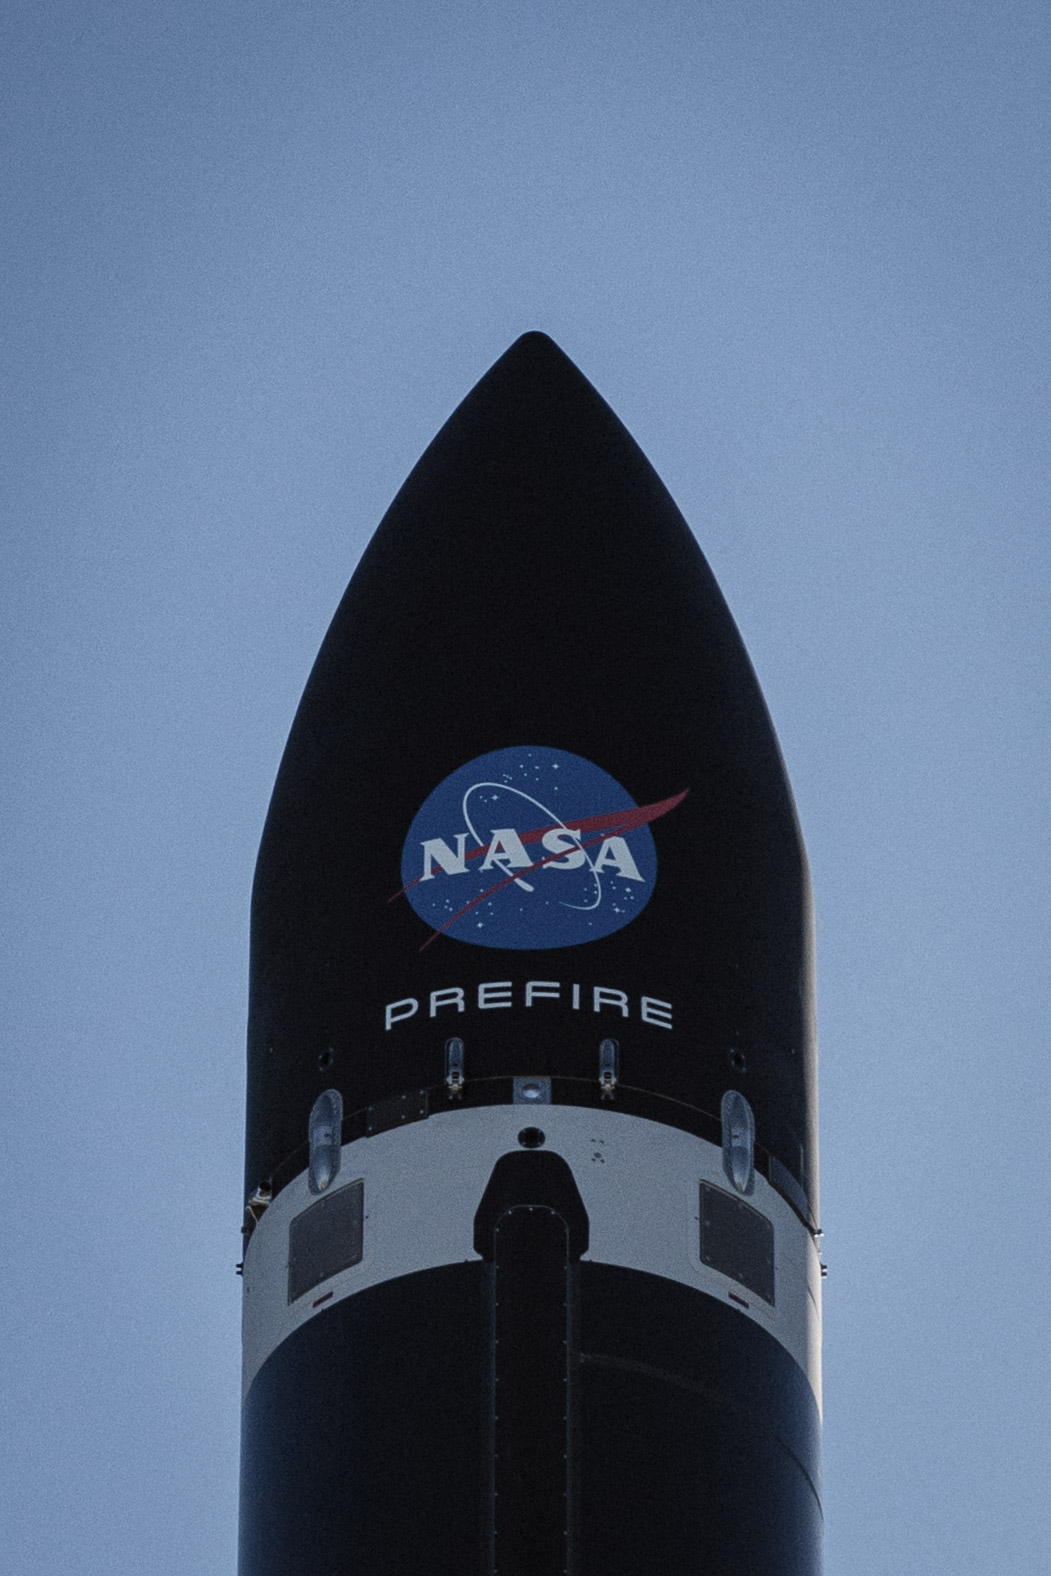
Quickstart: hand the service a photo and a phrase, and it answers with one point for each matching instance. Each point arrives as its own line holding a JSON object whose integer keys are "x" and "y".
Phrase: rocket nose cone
{"x": 533, "y": 580}
{"x": 532, "y": 585}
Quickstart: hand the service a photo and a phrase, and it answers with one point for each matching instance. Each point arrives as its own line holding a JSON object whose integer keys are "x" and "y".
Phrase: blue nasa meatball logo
{"x": 530, "y": 848}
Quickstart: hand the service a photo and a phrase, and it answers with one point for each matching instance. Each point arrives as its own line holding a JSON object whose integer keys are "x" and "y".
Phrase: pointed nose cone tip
{"x": 534, "y": 342}
{"x": 538, "y": 364}
{"x": 532, "y": 587}
{"x": 533, "y": 480}
{"x": 535, "y": 347}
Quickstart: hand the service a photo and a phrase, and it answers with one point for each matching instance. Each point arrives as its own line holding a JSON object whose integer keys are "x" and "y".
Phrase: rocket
{"x": 532, "y": 1279}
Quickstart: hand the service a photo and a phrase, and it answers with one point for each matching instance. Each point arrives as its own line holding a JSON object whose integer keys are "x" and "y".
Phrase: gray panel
{"x": 325, "y": 1239}
{"x": 737, "y": 1241}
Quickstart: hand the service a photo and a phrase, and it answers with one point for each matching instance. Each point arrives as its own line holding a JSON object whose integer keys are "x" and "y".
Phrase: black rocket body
{"x": 531, "y": 1279}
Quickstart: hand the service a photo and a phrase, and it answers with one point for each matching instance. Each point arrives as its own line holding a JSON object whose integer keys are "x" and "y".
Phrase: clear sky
{"x": 253, "y": 254}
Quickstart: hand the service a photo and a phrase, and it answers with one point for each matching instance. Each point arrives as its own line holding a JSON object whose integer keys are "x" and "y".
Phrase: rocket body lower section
{"x": 548, "y": 1355}
{"x": 366, "y": 1438}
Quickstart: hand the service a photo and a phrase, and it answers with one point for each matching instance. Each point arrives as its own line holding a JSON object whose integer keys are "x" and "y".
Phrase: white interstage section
{"x": 640, "y": 1182}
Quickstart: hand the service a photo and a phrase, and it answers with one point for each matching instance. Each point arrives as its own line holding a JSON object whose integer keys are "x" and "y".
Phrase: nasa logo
{"x": 530, "y": 848}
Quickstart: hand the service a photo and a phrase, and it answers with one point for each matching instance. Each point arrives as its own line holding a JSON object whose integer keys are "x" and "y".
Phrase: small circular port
{"x": 324, "y": 1061}
{"x": 737, "y": 1061}
{"x": 531, "y": 1138}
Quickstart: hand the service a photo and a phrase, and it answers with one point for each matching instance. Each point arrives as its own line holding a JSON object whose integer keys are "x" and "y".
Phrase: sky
{"x": 253, "y": 255}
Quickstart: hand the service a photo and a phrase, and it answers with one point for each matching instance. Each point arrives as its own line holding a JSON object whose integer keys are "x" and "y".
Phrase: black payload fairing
{"x": 531, "y": 1283}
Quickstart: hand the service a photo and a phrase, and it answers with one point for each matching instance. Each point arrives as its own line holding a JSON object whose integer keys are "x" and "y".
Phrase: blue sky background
{"x": 253, "y": 255}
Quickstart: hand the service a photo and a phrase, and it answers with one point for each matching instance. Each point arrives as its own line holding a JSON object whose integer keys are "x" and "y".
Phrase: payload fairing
{"x": 531, "y": 1283}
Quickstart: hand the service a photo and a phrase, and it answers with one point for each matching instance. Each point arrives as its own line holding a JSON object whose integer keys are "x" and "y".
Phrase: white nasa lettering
{"x": 452, "y": 997}
{"x": 604, "y": 997}
{"x": 616, "y": 855}
{"x": 497, "y": 993}
{"x": 563, "y": 840}
{"x": 657, "y": 1012}
{"x": 508, "y": 853}
{"x": 437, "y": 851}
{"x": 392, "y": 1013}
{"x": 541, "y": 989}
